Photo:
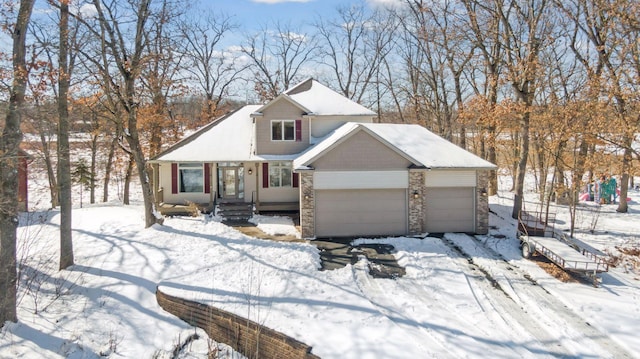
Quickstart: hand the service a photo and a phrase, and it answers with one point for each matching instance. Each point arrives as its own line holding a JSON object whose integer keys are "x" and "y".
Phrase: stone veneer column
{"x": 307, "y": 205}
{"x": 416, "y": 205}
{"x": 482, "y": 202}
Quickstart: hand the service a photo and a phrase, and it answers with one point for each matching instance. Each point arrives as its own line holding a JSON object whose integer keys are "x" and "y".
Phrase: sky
{"x": 251, "y": 14}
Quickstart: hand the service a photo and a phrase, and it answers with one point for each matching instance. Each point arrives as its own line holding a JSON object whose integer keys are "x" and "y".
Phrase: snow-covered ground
{"x": 462, "y": 296}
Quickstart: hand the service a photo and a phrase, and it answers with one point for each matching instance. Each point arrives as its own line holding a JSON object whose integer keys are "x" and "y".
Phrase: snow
{"x": 275, "y": 225}
{"x": 462, "y": 296}
{"x": 231, "y": 136}
{"x": 323, "y": 101}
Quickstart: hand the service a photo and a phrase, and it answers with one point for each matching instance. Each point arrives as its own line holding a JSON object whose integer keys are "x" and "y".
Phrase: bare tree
{"x": 64, "y": 157}
{"x": 277, "y": 55}
{"x": 120, "y": 60}
{"x": 486, "y": 33}
{"x": 9, "y": 145}
{"x": 526, "y": 28}
{"x": 354, "y": 45}
{"x": 214, "y": 69}
{"x": 612, "y": 63}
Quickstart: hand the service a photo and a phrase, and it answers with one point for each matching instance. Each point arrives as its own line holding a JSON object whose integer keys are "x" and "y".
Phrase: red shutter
{"x": 265, "y": 175}
{"x": 174, "y": 178}
{"x": 296, "y": 179}
{"x": 298, "y": 130}
{"x": 207, "y": 178}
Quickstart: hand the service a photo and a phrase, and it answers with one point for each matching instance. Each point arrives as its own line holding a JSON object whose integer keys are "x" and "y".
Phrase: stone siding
{"x": 307, "y": 205}
{"x": 416, "y": 205}
{"x": 482, "y": 202}
{"x": 244, "y": 336}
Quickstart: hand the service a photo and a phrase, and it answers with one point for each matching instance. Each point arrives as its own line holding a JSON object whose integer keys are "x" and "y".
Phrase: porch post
{"x": 211, "y": 169}
{"x": 156, "y": 182}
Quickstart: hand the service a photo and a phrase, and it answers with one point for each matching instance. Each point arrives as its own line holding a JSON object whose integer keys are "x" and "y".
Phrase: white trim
{"x": 360, "y": 179}
{"x": 448, "y": 178}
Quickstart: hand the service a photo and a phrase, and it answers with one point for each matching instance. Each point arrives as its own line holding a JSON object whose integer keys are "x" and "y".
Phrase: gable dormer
{"x": 304, "y": 113}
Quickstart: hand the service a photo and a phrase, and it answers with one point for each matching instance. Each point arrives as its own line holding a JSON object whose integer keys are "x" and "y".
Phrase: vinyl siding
{"x": 439, "y": 178}
{"x": 323, "y": 125}
{"x": 282, "y": 110}
{"x": 360, "y": 179}
{"x": 361, "y": 152}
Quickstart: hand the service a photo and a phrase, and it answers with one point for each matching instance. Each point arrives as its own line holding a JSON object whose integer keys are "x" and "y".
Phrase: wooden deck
{"x": 172, "y": 209}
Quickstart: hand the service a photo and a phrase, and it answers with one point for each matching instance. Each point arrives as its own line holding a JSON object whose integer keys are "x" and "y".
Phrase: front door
{"x": 230, "y": 182}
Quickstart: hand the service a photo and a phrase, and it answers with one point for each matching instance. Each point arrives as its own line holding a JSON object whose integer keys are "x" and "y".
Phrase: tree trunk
{"x": 51, "y": 172}
{"x": 624, "y": 180}
{"x": 64, "y": 160}
{"x": 107, "y": 169}
{"x": 93, "y": 177}
{"x": 522, "y": 164}
{"x": 9, "y": 145}
{"x": 127, "y": 181}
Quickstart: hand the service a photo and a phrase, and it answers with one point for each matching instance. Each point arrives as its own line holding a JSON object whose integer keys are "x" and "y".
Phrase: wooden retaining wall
{"x": 246, "y": 337}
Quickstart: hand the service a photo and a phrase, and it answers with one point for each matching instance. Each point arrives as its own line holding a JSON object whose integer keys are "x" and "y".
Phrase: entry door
{"x": 230, "y": 182}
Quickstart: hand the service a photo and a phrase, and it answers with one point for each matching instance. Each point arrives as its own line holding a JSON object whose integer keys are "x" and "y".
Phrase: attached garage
{"x": 450, "y": 201}
{"x": 450, "y": 210}
{"x": 361, "y": 212}
{"x": 390, "y": 180}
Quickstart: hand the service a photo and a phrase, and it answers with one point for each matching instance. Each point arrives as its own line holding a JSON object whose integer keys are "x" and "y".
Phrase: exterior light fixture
{"x": 416, "y": 195}
{"x": 250, "y": 170}
{"x": 483, "y": 192}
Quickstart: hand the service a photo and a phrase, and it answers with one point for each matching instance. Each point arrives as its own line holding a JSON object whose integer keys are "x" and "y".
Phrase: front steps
{"x": 235, "y": 211}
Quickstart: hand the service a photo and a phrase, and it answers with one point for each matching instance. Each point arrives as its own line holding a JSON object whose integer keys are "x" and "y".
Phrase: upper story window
{"x": 283, "y": 130}
{"x": 191, "y": 177}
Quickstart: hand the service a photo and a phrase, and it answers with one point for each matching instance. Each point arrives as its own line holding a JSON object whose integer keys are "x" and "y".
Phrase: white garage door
{"x": 450, "y": 210}
{"x": 346, "y": 213}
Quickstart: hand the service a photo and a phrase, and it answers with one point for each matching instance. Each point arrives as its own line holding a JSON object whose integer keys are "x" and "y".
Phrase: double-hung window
{"x": 280, "y": 174}
{"x": 283, "y": 130}
{"x": 191, "y": 177}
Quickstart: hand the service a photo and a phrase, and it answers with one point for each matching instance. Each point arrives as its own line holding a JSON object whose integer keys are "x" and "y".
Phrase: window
{"x": 191, "y": 177}
{"x": 280, "y": 174}
{"x": 283, "y": 130}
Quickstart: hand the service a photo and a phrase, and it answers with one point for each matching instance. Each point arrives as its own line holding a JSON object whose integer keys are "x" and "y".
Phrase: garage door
{"x": 346, "y": 213}
{"x": 450, "y": 210}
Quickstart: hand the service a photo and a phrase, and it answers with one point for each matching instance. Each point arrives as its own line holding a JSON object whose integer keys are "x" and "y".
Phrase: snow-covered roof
{"x": 229, "y": 138}
{"x": 418, "y": 144}
{"x": 320, "y": 100}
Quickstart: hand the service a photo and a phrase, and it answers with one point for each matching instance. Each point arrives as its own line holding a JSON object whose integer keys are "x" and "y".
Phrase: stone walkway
{"x": 337, "y": 253}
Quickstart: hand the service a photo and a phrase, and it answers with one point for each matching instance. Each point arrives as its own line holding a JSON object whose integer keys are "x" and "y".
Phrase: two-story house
{"x": 315, "y": 151}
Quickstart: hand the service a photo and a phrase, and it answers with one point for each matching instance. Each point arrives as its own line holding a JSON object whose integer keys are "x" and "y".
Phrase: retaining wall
{"x": 246, "y": 337}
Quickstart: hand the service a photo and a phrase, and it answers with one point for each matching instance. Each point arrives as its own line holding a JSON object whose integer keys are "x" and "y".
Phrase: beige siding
{"x": 282, "y": 110}
{"x": 361, "y": 152}
{"x": 344, "y": 213}
{"x": 450, "y": 210}
{"x": 360, "y": 179}
{"x": 182, "y": 198}
{"x": 450, "y": 178}
{"x": 322, "y": 125}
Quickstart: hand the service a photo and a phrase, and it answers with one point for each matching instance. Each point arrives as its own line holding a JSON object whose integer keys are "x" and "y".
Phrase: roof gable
{"x": 415, "y": 143}
{"x": 337, "y": 137}
{"x": 315, "y": 98}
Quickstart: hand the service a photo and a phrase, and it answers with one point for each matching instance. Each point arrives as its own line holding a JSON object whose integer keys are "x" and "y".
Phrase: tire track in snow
{"x": 540, "y": 312}
{"x": 460, "y": 335}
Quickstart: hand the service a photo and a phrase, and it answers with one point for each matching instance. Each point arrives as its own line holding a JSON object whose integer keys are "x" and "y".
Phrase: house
{"x": 314, "y": 151}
